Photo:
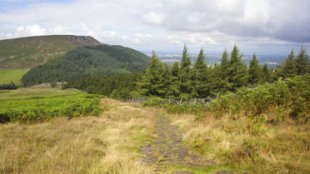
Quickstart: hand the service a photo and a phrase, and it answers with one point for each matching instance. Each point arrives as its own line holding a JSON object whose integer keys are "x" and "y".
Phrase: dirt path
{"x": 169, "y": 153}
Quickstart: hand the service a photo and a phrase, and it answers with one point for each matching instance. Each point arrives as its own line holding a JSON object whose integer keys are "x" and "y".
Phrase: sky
{"x": 255, "y": 26}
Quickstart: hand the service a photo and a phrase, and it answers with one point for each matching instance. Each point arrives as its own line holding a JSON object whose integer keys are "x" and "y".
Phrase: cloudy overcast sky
{"x": 260, "y": 26}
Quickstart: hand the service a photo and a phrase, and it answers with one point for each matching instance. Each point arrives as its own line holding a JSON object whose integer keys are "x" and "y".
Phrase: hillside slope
{"x": 30, "y": 52}
{"x": 84, "y": 61}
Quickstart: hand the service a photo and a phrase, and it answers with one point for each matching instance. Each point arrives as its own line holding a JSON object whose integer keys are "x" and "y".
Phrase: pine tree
{"x": 224, "y": 72}
{"x": 289, "y": 67}
{"x": 151, "y": 83}
{"x": 254, "y": 71}
{"x": 200, "y": 77}
{"x": 237, "y": 71}
{"x": 174, "y": 89}
{"x": 219, "y": 76}
{"x": 185, "y": 75}
{"x": 302, "y": 62}
{"x": 167, "y": 81}
{"x": 224, "y": 59}
{"x": 266, "y": 74}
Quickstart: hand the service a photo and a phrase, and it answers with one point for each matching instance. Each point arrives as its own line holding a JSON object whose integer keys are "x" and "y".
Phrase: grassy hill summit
{"x": 29, "y": 52}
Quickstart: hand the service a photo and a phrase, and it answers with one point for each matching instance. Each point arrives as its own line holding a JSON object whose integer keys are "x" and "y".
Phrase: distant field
{"x": 31, "y": 104}
{"x": 12, "y": 75}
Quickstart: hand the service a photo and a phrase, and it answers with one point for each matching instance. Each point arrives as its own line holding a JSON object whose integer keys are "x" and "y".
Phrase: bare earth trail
{"x": 170, "y": 155}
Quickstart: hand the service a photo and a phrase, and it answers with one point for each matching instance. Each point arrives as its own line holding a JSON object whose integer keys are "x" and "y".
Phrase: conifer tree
{"x": 185, "y": 75}
{"x": 219, "y": 76}
{"x": 254, "y": 71}
{"x": 174, "y": 89}
{"x": 224, "y": 59}
{"x": 200, "y": 77}
{"x": 289, "y": 67}
{"x": 224, "y": 72}
{"x": 167, "y": 81}
{"x": 152, "y": 82}
{"x": 237, "y": 71}
{"x": 302, "y": 62}
{"x": 266, "y": 74}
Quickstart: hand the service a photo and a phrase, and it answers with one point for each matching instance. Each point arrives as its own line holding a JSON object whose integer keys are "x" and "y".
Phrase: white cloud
{"x": 152, "y": 18}
{"x": 166, "y": 24}
{"x": 32, "y": 30}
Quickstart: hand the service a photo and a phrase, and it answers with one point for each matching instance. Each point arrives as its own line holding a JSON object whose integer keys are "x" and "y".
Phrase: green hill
{"x": 30, "y": 52}
{"x": 85, "y": 61}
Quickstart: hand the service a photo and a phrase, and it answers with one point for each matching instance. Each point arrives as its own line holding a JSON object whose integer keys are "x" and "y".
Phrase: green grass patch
{"x": 39, "y": 104}
{"x": 141, "y": 136}
{"x": 196, "y": 170}
{"x": 12, "y": 75}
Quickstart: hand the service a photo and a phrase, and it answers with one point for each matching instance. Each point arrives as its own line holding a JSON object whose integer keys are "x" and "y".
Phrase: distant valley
{"x": 270, "y": 60}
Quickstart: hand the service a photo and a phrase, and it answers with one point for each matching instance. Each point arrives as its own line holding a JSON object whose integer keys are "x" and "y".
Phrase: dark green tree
{"x": 167, "y": 81}
{"x": 224, "y": 73}
{"x": 254, "y": 71}
{"x": 219, "y": 76}
{"x": 174, "y": 90}
{"x": 302, "y": 62}
{"x": 185, "y": 75}
{"x": 289, "y": 67}
{"x": 266, "y": 74}
{"x": 152, "y": 82}
{"x": 200, "y": 77}
{"x": 224, "y": 59}
{"x": 237, "y": 71}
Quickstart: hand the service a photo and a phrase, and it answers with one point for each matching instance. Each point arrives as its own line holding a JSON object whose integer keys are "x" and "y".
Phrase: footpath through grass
{"x": 35, "y": 104}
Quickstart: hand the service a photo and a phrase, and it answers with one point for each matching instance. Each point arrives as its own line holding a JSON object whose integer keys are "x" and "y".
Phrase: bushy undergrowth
{"x": 275, "y": 101}
{"x": 8, "y": 86}
{"x": 196, "y": 107}
{"x": 40, "y": 108}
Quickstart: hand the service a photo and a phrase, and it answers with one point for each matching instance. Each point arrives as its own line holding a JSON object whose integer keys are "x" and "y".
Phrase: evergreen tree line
{"x": 117, "y": 85}
{"x": 185, "y": 80}
{"x": 87, "y": 61}
{"x": 8, "y": 86}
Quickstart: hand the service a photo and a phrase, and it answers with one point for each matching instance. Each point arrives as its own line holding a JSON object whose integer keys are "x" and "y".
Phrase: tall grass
{"x": 247, "y": 146}
{"x": 108, "y": 144}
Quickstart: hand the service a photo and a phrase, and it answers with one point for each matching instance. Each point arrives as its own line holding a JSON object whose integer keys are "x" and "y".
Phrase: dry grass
{"x": 248, "y": 146}
{"x": 105, "y": 144}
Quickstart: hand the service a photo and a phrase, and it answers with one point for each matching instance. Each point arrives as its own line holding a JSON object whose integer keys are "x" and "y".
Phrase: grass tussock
{"x": 106, "y": 144}
{"x": 249, "y": 145}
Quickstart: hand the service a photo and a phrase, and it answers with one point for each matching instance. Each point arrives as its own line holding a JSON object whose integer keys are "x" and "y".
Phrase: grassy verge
{"x": 12, "y": 75}
{"x": 257, "y": 130}
{"x": 249, "y": 146}
{"x": 107, "y": 144}
{"x": 40, "y": 104}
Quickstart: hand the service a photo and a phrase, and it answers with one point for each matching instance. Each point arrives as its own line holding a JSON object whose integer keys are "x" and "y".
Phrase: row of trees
{"x": 87, "y": 61}
{"x": 8, "y": 86}
{"x": 294, "y": 65}
{"x": 184, "y": 80}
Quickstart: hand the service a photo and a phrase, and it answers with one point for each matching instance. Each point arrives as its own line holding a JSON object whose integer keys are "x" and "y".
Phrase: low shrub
{"x": 8, "y": 86}
{"x": 292, "y": 95}
{"x": 40, "y": 108}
